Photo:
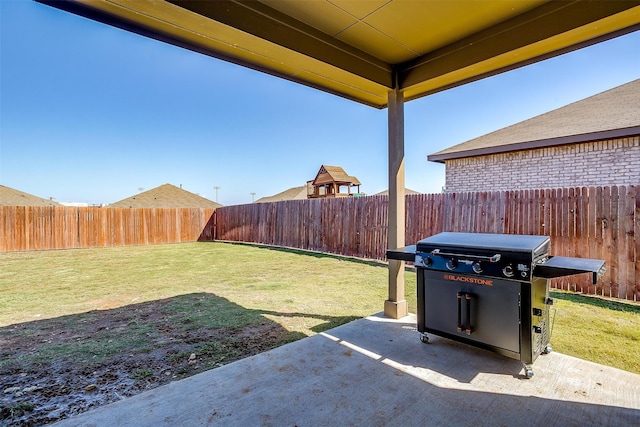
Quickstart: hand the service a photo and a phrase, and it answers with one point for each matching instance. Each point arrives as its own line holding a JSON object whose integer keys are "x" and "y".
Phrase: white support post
{"x": 396, "y": 306}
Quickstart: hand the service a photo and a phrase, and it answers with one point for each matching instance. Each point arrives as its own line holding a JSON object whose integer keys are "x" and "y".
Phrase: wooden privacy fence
{"x": 594, "y": 222}
{"x": 24, "y": 228}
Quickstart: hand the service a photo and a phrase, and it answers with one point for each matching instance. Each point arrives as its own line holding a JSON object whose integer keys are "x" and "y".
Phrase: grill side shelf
{"x": 408, "y": 253}
{"x": 559, "y": 266}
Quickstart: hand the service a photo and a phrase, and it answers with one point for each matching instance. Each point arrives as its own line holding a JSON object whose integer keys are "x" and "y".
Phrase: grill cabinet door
{"x": 489, "y": 308}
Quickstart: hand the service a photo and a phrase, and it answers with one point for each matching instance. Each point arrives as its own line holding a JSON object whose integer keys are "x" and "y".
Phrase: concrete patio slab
{"x": 376, "y": 372}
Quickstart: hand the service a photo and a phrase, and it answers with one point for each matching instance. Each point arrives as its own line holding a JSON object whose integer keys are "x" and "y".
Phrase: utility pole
{"x": 217, "y": 187}
{"x": 252, "y": 197}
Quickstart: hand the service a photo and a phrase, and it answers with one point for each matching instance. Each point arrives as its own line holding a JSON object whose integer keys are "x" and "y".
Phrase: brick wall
{"x": 610, "y": 162}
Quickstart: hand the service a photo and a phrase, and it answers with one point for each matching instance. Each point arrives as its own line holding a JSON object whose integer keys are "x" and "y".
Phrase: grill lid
{"x": 497, "y": 251}
{"x": 534, "y": 245}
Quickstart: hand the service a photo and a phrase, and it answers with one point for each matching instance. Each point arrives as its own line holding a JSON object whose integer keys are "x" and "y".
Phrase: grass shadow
{"x": 52, "y": 368}
{"x": 309, "y": 253}
{"x": 330, "y": 322}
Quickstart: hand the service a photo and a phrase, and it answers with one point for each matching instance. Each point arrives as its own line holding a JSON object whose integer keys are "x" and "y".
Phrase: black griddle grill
{"x": 489, "y": 290}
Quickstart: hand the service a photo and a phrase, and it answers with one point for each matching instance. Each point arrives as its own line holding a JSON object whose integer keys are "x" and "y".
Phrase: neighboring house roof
{"x": 295, "y": 193}
{"x": 13, "y": 197}
{"x": 328, "y": 174}
{"x": 165, "y": 196}
{"x": 614, "y": 113}
{"x": 406, "y": 191}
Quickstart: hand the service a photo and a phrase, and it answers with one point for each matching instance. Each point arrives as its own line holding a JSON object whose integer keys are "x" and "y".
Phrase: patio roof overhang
{"x": 361, "y": 49}
{"x": 380, "y": 53}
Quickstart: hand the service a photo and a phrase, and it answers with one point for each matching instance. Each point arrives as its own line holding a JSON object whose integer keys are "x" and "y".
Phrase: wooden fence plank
{"x": 547, "y": 229}
{"x": 563, "y": 216}
{"x": 571, "y": 212}
{"x": 627, "y": 261}
{"x": 601, "y": 225}
{"x": 535, "y": 213}
{"x": 589, "y": 245}
{"x": 525, "y": 219}
{"x": 576, "y": 240}
{"x": 613, "y": 242}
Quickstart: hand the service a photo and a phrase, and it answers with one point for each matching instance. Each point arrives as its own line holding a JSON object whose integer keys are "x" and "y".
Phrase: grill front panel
{"x": 480, "y": 313}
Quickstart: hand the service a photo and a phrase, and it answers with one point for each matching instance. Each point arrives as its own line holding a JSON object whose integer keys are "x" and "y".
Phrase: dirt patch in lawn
{"x": 52, "y": 369}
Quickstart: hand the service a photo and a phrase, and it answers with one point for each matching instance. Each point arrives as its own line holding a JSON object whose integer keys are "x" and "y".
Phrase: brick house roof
{"x": 165, "y": 196}
{"x": 12, "y": 197}
{"x": 614, "y": 113}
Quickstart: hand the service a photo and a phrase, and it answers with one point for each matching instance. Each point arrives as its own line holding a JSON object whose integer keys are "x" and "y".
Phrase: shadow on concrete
{"x": 437, "y": 356}
{"x": 457, "y": 384}
{"x": 375, "y": 372}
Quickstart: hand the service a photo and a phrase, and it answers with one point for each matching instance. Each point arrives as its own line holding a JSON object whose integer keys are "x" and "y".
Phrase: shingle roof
{"x": 165, "y": 196}
{"x": 337, "y": 174}
{"x": 614, "y": 113}
{"x": 295, "y": 193}
{"x": 13, "y": 197}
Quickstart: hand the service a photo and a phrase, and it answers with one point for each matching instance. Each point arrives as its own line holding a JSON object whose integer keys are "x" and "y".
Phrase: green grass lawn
{"x": 216, "y": 285}
{"x": 599, "y": 330}
{"x": 278, "y": 284}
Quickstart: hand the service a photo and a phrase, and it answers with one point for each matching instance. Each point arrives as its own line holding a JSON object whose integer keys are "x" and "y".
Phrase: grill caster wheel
{"x": 528, "y": 372}
{"x": 547, "y": 349}
{"x": 424, "y": 338}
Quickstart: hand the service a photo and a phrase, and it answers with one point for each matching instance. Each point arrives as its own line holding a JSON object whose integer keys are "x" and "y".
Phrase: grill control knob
{"x": 452, "y": 264}
{"x": 426, "y": 261}
{"x": 508, "y": 271}
{"x": 477, "y": 267}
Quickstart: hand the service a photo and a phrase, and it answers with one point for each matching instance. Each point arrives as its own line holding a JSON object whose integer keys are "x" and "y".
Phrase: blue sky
{"x": 90, "y": 113}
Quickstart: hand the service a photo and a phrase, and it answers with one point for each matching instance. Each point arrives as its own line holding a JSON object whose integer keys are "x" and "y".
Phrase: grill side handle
{"x": 559, "y": 266}
{"x": 408, "y": 253}
{"x": 494, "y": 258}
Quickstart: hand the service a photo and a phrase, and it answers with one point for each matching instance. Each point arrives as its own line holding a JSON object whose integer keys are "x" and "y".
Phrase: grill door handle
{"x": 494, "y": 258}
{"x": 466, "y": 325}
{"x": 468, "y": 329}
{"x": 460, "y": 295}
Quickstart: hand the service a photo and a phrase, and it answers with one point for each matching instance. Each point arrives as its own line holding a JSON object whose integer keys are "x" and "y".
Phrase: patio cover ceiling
{"x": 361, "y": 50}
